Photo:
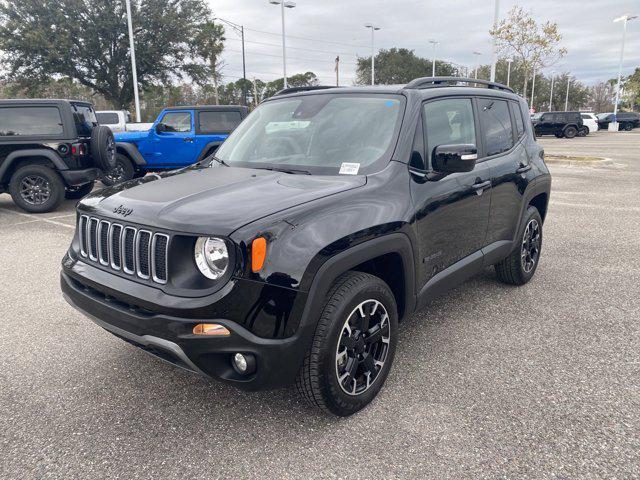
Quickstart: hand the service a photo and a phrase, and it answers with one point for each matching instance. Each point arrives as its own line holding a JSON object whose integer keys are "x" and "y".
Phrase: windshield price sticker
{"x": 349, "y": 168}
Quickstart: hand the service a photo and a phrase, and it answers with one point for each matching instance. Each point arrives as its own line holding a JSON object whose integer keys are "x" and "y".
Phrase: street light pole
{"x": 283, "y": 4}
{"x": 239, "y": 29}
{"x": 624, "y": 19}
{"x": 496, "y": 13}
{"x": 477, "y": 54}
{"x": 373, "y": 56}
{"x": 509, "y": 61}
{"x": 433, "y": 65}
{"x": 553, "y": 77}
{"x": 133, "y": 61}
{"x": 566, "y": 98}
{"x": 533, "y": 87}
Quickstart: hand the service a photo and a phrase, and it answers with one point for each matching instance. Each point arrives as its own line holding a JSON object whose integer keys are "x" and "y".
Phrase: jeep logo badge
{"x": 125, "y": 212}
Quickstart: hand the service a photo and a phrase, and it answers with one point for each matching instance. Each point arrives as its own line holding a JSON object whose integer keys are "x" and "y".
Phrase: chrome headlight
{"x": 212, "y": 257}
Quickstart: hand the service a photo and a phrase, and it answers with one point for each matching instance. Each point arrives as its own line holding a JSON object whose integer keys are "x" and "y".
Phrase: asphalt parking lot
{"x": 541, "y": 381}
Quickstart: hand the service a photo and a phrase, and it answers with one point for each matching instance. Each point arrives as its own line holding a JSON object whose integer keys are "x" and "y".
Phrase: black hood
{"x": 215, "y": 200}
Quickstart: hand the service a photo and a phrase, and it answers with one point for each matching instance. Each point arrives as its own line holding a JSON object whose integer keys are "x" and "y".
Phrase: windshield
{"x": 323, "y": 134}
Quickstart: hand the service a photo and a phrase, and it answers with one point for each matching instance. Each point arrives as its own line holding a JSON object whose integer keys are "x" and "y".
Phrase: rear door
{"x": 214, "y": 126}
{"x": 504, "y": 148}
{"x": 452, "y": 211}
{"x": 174, "y": 142}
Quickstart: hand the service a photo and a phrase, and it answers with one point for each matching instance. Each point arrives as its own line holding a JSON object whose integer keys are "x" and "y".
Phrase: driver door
{"x": 174, "y": 139}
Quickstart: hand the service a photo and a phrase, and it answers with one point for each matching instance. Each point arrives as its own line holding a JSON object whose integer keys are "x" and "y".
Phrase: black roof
{"x": 41, "y": 101}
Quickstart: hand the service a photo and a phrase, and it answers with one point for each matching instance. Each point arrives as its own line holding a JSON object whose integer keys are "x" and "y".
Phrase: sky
{"x": 318, "y": 30}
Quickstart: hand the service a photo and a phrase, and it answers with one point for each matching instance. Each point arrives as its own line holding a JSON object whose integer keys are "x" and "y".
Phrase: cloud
{"x": 319, "y": 30}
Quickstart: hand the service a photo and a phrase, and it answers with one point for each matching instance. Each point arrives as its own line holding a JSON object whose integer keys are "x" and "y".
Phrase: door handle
{"x": 480, "y": 187}
{"x": 523, "y": 168}
{"x": 188, "y": 139}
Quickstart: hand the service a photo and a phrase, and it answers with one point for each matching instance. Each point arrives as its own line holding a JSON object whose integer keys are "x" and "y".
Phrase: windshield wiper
{"x": 221, "y": 162}
{"x": 292, "y": 171}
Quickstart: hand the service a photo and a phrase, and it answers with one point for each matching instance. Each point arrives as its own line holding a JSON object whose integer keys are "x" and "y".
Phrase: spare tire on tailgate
{"x": 103, "y": 147}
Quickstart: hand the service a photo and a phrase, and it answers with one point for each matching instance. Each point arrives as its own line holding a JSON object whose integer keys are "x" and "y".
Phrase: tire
{"x": 122, "y": 172}
{"x": 559, "y": 134}
{"x": 338, "y": 343}
{"x": 570, "y": 132}
{"x": 103, "y": 148}
{"x": 627, "y": 127}
{"x": 516, "y": 268}
{"x": 36, "y": 188}
{"x": 75, "y": 193}
{"x": 583, "y": 132}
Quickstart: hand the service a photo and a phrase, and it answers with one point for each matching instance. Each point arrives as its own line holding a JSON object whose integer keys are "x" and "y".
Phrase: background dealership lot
{"x": 540, "y": 381}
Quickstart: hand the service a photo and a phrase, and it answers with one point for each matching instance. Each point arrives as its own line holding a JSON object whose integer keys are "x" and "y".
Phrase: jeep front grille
{"x": 134, "y": 251}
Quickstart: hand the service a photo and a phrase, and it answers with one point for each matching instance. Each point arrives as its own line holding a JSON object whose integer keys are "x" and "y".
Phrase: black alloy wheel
{"x": 35, "y": 190}
{"x": 362, "y": 347}
{"x": 530, "y": 250}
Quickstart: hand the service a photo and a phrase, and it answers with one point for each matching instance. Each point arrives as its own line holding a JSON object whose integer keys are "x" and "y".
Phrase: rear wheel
{"x": 518, "y": 268}
{"x": 627, "y": 127}
{"x": 583, "y": 132}
{"x": 122, "y": 172}
{"x": 570, "y": 132}
{"x": 36, "y": 188}
{"x": 353, "y": 346}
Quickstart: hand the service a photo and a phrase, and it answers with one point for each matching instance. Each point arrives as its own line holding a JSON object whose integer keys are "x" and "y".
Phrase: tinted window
{"x": 177, "y": 121}
{"x": 586, "y": 116}
{"x": 211, "y": 122}
{"x": 517, "y": 113}
{"x": 85, "y": 118}
{"x": 448, "y": 122}
{"x": 496, "y": 126}
{"x": 30, "y": 121}
{"x": 107, "y": 118}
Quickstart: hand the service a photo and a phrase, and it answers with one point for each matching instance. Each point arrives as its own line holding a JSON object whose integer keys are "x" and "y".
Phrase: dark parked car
{"x": 560, "y": 124}
{"x": 50, "y": 149}
{"x": 626, "y": 120}
{"x": 327, "y": 217}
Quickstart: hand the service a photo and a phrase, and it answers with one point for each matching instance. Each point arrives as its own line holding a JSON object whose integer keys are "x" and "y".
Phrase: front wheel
{"x": 353, "y": 346}
{"x": 570, "y": 132}
{"x": 122, "y": 172}
{"x": 518, "y": 268}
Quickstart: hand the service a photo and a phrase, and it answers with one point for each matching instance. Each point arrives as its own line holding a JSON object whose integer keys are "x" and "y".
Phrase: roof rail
{"x": 431, "y": 82}
{"x": 286, "y": 91}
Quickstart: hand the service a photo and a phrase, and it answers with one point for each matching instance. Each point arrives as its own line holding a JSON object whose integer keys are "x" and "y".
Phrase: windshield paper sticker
{"x": 349, "y": 168}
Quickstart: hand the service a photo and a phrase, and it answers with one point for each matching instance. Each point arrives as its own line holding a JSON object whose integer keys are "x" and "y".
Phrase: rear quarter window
{"x": 517, "y": 113}
{"x": 30, "y": 121}
{"x": 218, "y": 122}
{"x": 107, "y": 118}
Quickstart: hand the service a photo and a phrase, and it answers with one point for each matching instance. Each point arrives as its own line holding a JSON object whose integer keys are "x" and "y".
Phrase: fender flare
{"x": 340, "y": 263}
{"x": 543, "y": 185}
{"x": 39, "y": 152}
{"x": 132, "y": 151}
{"x": 208, "y": 147}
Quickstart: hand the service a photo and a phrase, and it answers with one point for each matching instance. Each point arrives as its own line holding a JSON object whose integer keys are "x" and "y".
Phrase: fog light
{"x": 244, "y": 364}
{"x": 211, "y": 329}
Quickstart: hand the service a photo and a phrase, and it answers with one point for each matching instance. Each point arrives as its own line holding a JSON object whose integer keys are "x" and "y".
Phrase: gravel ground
{"x": 489, "y": 381}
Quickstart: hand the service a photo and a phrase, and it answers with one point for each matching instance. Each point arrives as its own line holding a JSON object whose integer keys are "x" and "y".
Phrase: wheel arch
{"x": 131, "y": 152}
{"x": 19, "y": 158}
{"x": 208, "y": 149}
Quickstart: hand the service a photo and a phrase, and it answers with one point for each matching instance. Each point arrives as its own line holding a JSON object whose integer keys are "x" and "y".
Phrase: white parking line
{"x": 587, "y": 205}
{"x": 35, "y": 219}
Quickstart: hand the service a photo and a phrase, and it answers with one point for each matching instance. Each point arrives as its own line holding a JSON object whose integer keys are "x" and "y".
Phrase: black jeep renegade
{"x": 327, "y": 217}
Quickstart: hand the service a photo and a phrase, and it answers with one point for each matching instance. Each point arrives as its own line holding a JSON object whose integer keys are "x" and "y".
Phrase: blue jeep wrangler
{"x": 179, "y": 137}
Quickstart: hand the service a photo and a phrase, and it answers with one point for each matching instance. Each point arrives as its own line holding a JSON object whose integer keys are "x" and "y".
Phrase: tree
{"x": 398, "y": 66}
{"x": 601, "y": 97}
{"x": 87, "y": 40}
{"x": 209, "y": 44}
{"x": 534, "y": 46}
{"x": 631, "y": 91}
{"x": 307, "y": 79}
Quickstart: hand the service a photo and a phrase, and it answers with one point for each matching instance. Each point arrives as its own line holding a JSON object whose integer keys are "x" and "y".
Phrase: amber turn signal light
{"x": 258, "y": 254}
{"x": 211, "y": 329}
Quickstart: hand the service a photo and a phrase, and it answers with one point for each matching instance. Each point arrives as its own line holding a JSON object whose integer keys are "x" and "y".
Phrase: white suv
{"x": 590, "y": 120}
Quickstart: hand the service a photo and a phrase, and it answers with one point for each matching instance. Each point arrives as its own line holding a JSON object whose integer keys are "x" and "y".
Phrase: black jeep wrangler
{"x": 50, "y": 149}
{"x": 560, "y": 124}
{"x": 327, "y": 217}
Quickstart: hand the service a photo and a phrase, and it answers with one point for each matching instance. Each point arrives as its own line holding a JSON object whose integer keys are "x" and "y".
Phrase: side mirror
{"x": 161, "y": 127}
{"x": 454, "y": 158}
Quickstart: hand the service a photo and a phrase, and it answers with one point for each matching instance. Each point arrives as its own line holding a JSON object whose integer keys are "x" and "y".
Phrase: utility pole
{"x": 496, "y": 13}
{"x": 373, "y": 52}
{"x": 240, "y": 30}
{"x": 337, "y": 69}
{"x": 433, "y": 64}
{"x": 255, "y": 93}
{"x": 509, "y": 62}
{"x": 132, "y": 50}
{"x": 566, "y": 98}
{"x": 533, "y": 87}
{"x": 553, "y": 77}
{"x": 477, "y": 54}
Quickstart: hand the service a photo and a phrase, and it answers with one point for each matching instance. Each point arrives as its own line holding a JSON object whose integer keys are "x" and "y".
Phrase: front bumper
{"x": 75, "y": 178}
{"x": 172, "y": 339}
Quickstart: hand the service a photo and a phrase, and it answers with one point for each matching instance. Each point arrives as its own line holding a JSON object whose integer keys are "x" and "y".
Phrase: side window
{"x": 84, "y": 118}
{"x": 177, "y": 121}
{"x": 496, "y": 125}
{"x": 447, "y": 122}
{"x": 517, "y": 113}
{"x": 218, "y": 122}
{"x": 24, "y": 121}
